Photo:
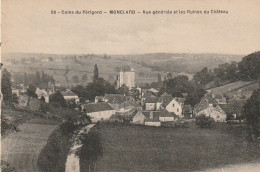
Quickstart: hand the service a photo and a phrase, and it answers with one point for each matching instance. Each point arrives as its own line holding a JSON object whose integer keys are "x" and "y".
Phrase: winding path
{"x": 72, "y": 163}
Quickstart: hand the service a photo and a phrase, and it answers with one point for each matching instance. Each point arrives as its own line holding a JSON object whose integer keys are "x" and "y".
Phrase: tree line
{"x": 248, "y": 69}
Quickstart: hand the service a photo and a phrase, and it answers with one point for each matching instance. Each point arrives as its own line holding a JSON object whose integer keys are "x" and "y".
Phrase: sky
{"x": 28, "y": 26}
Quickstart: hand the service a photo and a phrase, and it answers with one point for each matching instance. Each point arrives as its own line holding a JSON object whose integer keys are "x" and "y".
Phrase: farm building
{"x": 150, "y": 103}
{"x": 98, "y": 111}
{"x": 209, "y": 107}
{"x": 175, "y": 106}
{"x": 114, "y": 100}
{"x": 42, "y": 93}
{"x": 218, "y": 96}
{"x": 69, "y": 95}
{"x": 153, "y": 118}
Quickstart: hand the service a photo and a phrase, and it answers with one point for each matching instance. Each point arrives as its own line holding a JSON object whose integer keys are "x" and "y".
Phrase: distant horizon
{"x": 212, "y": 53}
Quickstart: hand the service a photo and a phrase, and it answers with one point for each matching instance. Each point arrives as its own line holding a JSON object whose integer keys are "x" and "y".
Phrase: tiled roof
{"x": 153, "y": 90}
{"x": 114, "y": 98}
{"x": 180, "y": 100}
{"x": 165, "y": 113}
{"x": 147, "y": 94}
{"x": 165, "y": 99}
{"x": 152, "y": 99}
{"x": 68, "y": 93}
{"x": 204, "y": 103}
{"x": 97, "y": 107}
{"x": 233, "y": 107}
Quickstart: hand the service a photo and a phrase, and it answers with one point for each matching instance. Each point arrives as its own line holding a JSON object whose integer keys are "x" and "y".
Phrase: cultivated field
{"x": 140, "y": 148}
{"x": 21, "y": 149}
{"x": 246, "y": 88}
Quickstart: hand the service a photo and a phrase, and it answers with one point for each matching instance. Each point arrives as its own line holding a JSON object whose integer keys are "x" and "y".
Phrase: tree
{"x": 123, "y": 90}
{"x": 58, "y": 100}
{"x": 75, "y": 79}
{"x": 203, "y": 77}
{"x": 25, "y": 79}
{"x": 99, "y": 87}
{"x": 96, "y": 72}
{"x": 90, "y": 150}
{"x": 31, "y": 91}
{"x": 37, "y": 79}
{"x": 159, "y": 78}
{"x": 252, "y": 113}
{"x": 7, "y": 126}
{"x": 84, "y": 77}
{"x": 204, "y": 121}
{"x": 6, "y": 86}
{"x": 15, "y": 98}
{"x": 181, "y": 84}
{"x": 249, "y": 67}
{"x": 169, "y": 75}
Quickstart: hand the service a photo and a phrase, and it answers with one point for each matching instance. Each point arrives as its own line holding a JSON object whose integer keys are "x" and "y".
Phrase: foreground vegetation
{"x": 22, "y": 149}
{"x": 141, "y": 148}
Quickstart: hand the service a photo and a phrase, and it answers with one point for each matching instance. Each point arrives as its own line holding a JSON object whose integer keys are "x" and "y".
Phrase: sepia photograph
{"x": 130, "y": 86}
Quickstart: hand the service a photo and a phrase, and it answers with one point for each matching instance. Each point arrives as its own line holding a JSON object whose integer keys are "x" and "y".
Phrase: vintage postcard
{"x": 130, "y": 85}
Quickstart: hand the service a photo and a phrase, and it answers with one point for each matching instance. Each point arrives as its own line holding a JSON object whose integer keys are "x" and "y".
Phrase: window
{"x": 173, "y": 105}
{"x": 177, "y": 109}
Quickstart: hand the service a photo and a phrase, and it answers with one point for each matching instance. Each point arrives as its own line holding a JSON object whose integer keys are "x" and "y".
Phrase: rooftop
{"x": 97, "y": 107}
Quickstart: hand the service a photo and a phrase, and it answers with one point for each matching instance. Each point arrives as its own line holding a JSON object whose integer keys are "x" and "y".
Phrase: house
{"x": 164, "y": 100}
{"x": 42, "y": 93}
{"x": 166, "y": 116}
{"x": 98, "y": 111}
{"x": 149, "y": 118}
{"x": 128, "y": 106}
{"x": 209, "y": 107}
{"x": 175, "y": 106}
{"x": 153, "y": 118}
{"x": 187, "y": 111}
{"x": 151, "y": 103}
{"x": 15, "y": 91}
{"x": 145, "y": 95}
{"x": 69, "y": 95}
{"x": 139, "y": 118}
{"x": 114, "y": 100}
{"x": 234, "y": 108}
{"x": 153, "y": 91}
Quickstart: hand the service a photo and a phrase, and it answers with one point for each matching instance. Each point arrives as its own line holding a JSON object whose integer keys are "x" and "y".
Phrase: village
{"x": 146, "y": 107}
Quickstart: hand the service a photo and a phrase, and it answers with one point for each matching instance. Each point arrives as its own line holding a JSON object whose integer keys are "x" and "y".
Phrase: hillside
{"x": 23, "y": 148}
{"x": 245, "y": 88}
{"x": 188, "y": 63}
{"x": 64, "y": 68}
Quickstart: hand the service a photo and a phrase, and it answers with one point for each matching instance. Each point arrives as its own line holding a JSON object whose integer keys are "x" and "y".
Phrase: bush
{"x": 6, "y": 167}
{"x": 204, "y": 121}
{"x": 54, "y": 155}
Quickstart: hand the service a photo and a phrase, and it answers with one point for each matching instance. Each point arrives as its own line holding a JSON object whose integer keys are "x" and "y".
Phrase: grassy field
{"x": 140, "y": 148}
{"x": 21, "y": 149}
{"x": 230, "y": 89}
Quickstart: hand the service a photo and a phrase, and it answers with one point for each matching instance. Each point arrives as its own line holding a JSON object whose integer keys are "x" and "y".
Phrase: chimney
{"x": 151, "y": 115}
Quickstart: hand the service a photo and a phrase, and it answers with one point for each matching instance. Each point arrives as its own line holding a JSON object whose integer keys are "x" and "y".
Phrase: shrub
{"x": 204, "y": 121}
{"x": 54, "y": 155}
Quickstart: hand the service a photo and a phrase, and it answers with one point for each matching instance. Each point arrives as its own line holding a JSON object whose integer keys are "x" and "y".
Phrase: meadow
{"x": 140, "y": 148}
{"x": 21, "y": 149}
